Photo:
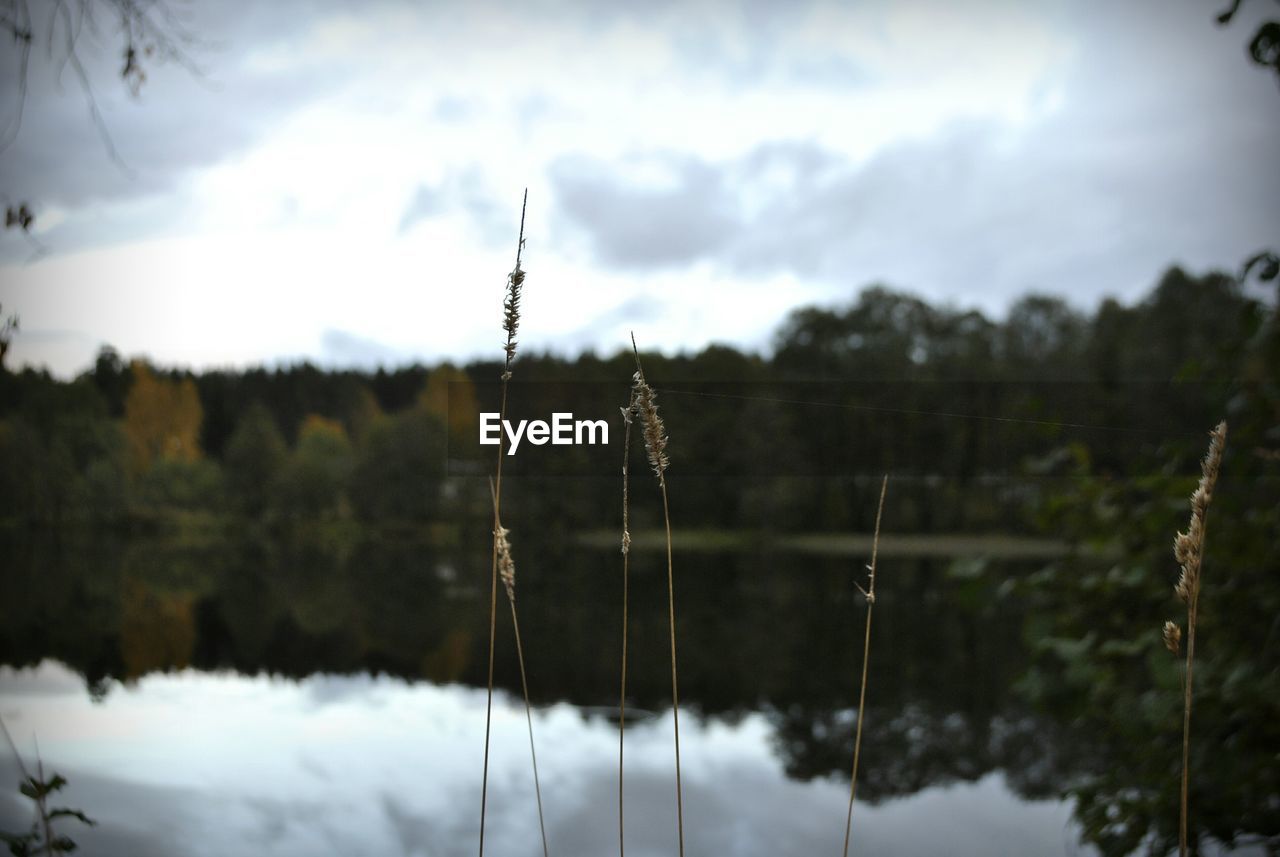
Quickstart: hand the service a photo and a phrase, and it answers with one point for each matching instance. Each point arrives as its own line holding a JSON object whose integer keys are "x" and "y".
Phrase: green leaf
{"x": 63, "y": 811}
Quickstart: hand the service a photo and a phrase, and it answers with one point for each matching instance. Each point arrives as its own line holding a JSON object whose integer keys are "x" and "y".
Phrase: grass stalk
{"x": 511, "y": 323}
{"x": 627, "y": 414}
{"x": 507, "y": 571}
{"x": 655, "y": 442}
{"x": 1188, "y": 549}
{"x": 870, "y": 594}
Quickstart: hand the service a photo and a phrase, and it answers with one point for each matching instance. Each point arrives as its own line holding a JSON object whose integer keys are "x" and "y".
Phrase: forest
{"x": 968, "y": 413}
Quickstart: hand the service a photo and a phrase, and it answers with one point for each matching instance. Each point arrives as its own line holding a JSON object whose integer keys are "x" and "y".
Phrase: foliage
{"x": 313, "y": 479}
{"x": 947, "y": 399}
{"x": 399, "y": 471}
{"x": 253, "y": 458}
{"x": 7, "y": 329}
{"x": 1264, "y": 47}
{"x": 41, "y": 838}
{"x": 161, "y": 418}
{"x": 1097, "y": 625}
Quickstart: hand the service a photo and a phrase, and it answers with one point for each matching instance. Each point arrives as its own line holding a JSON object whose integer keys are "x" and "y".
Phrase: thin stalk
{"x": 493, "y": 617}
{"x": 870, "y": 593}
{"x": 528, "y": 716}
{"x": 511, "y": 323}
{"x": 40, "y": 802}
{"x": 507, "y": 571}
{"x": 627, "y": 414}
{"x": 1192, "y": 613}
{"x": 1188, "y": 549}
{"x": 655, "y": 442}
{"x": 675, "y": 681}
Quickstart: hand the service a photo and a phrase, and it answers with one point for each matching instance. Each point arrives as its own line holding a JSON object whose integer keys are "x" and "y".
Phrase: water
{"x": 211, "y": 764}
{"x": 325, "y": 694}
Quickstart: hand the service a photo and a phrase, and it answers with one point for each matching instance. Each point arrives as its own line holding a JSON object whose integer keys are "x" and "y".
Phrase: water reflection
{"x": 193, "y": 763}
{"x": 319, "y": 688}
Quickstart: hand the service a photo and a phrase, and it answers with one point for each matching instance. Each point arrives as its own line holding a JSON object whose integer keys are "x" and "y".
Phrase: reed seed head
{"x": 655, "y": 432}
{"x": 1172, "y": 637}
{"x": 511, "y": 315}
{"x": 506, "y": 565}
{"x": 1188, "y": 547}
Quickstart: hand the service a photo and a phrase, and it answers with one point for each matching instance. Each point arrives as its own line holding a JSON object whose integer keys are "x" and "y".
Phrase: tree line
{"x": 970, "y": 413}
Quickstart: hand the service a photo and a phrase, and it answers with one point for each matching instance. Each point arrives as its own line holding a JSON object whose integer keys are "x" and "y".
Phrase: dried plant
{"x": 510, "y": 323}
{"x": 1188, "y": 549}
{"x": 628, "y": 414}
{"x": 645, "y": 403}
{"x": 507, "y": 570}
{"x": 870, "y": 594}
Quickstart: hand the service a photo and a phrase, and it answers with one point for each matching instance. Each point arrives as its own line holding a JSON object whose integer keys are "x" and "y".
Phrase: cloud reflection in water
{"x": 209, "y": 764}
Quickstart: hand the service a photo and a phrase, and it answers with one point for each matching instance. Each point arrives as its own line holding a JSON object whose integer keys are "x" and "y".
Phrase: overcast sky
{"x": 341, "y": 182}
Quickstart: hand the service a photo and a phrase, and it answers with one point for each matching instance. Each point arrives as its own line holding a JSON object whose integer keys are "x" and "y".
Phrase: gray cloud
{"x": 1143, "y": 161}
{"x": 1088, "y": 203}
{"x": 632, "y": 224}
{"x": 181, "y": 120}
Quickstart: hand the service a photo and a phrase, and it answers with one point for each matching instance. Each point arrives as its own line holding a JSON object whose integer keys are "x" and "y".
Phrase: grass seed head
{"x": 655, "y": 432}
{"x": 1188, "y": 547}
{"x": 506, "y": 565}
{"x": 511, "y": 315}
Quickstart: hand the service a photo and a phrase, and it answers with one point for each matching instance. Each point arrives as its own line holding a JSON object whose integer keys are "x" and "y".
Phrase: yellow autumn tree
{"x": 161, "y": 418}
{"x": 451, "y": 398}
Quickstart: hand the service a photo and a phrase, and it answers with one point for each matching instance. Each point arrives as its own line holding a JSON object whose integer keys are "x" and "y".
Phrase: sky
{"x": 342, "y": 183}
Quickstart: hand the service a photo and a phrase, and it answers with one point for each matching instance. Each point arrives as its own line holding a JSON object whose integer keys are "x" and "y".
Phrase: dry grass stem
{"x": 510, "y": 323}
{"x": 1188, "y": 549}
{"x": 655, "y": 443}
{"x": 870, "y": 594}
{"x": 507, "y": 570}
{"x": 627, "y": 415}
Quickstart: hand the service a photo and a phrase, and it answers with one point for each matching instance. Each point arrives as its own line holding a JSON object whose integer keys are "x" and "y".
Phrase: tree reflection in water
{"x": 769, "y": 635}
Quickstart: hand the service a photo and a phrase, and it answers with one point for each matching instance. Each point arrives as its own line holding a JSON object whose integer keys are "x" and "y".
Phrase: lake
{"x": 325, "y": 694}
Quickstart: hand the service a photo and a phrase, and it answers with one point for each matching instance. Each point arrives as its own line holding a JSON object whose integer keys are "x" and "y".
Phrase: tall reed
{"x": 628, "y": 413}
{"x": 655, "y": 444}
{"x": 1188, "y": 549}
{"x": 511, "y": 324}
{"x": 507, "y": 570}
{"x": 870, "y": 594}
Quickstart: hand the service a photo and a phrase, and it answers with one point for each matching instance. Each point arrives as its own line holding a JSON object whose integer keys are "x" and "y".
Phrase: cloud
{"x": 679, "y": 211}
{"x": 1085, "y": 204}
{"x": 463, "y": 191}
{"x": 181, "y": 119}
{"x": 342, "y": 348}
{"x": 426, "y": 203}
